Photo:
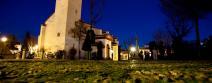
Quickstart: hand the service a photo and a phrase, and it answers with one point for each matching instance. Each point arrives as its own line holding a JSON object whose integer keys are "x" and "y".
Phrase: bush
{"x": 50, "y": 56}
{"x": 72, "y": 53}
{"x": 60, "y": 54}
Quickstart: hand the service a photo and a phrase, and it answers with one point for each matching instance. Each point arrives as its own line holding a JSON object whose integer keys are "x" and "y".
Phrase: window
{"x": 58, "y": 34}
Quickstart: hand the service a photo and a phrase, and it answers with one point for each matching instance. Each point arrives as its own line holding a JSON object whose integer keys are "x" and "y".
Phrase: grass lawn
{"x": 105, "y": 71}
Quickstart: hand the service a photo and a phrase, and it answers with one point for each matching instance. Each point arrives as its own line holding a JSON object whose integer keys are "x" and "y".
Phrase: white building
{"x": 56, "y": 33}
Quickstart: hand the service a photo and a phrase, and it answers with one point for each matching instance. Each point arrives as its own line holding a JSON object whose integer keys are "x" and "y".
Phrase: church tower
{"x": 56, "y": 32}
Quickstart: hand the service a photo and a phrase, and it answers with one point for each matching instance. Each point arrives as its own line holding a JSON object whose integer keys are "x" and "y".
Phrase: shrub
{"x": 60, "y": 54}
{"x": 72, "y": 53}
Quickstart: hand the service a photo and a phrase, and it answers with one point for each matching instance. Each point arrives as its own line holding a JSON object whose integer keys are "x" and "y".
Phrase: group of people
{"x": 146, "y": 55}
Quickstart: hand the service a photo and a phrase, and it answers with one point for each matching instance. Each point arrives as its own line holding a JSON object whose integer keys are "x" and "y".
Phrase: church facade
{"x": 56, "y": 33}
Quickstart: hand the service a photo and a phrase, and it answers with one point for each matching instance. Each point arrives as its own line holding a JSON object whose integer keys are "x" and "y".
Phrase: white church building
{"x": 55, "y": 33}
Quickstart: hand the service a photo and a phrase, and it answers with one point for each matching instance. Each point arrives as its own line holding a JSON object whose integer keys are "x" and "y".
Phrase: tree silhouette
{"x": 89, "y": 40}
{"x": 163, "y": 40}
{"x": 29, "y": 43}
{"x": 192, "y": 10}
{"x": 78, "y": 34}
{"x": 72, "y": 53}
{"x": 26, "y": 41}
{"x": 96, "y": 12}
{"x": 178, "y": 28}
{"x": 207, "y": 46}
{"x": 163, "y": 36}
{"x": 11, "y": 42}
{"x": 6, "y": 47}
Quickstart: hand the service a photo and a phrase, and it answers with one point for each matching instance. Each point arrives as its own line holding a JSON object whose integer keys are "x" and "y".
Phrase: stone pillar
{"x": 23, "y": 54}
{"x": 18, "y": 56}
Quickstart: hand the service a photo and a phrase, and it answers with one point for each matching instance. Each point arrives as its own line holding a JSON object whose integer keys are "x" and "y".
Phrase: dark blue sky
{"x": 123, "y": 18}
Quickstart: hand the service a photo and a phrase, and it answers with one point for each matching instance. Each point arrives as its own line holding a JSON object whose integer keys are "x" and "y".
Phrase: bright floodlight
{"x": 4, "y": 39}
{"x": 132, "y": 49}
{"x": 36, "y": 47}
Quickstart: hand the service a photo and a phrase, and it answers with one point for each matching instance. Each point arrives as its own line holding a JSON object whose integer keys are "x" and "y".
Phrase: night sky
{"x": 123, "y": 18}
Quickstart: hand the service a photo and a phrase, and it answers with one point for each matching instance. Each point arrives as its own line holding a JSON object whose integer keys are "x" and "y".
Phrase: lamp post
{"x": 3, "y": 40}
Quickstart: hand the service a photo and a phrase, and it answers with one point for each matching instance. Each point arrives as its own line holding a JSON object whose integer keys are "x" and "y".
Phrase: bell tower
{"x": 56, "y": 33}
{"x": 67, "y": 12}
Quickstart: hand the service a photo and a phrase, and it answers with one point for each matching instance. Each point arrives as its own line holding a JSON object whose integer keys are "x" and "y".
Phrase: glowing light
{"x": 36, "y": 47}
{"x": 4, "y": 39}
{"x": 132, "y": 49}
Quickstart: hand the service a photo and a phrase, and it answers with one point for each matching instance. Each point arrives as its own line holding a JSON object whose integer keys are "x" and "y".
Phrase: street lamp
{"x": 132, "y": 49}
{"x": 4, "y": 39}
{"x": 36, "y": 47}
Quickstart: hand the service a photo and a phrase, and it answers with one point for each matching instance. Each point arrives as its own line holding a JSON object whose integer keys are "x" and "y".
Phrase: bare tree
{"x": 126, "y": 45}
{"x": 29, "y": 42}
{"x": 162, "y": 36}
{"x": 178, "y": 29}
{"x": 78, "y": 33}
{"x": 162, "y": 41}
{"x": 28, "y": 45}
{"x": 96, "y": 12}
{"x": 192, "y": 10}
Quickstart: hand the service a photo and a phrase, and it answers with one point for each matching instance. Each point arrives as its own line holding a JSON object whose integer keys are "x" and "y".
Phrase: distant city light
{"x": 4, "y": 39}
{"x": 132, "y": 49}
{"x": 201, "y": 43}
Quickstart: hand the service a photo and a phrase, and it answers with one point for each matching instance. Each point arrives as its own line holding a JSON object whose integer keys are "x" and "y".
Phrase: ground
{"x": 105, "y": 71}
